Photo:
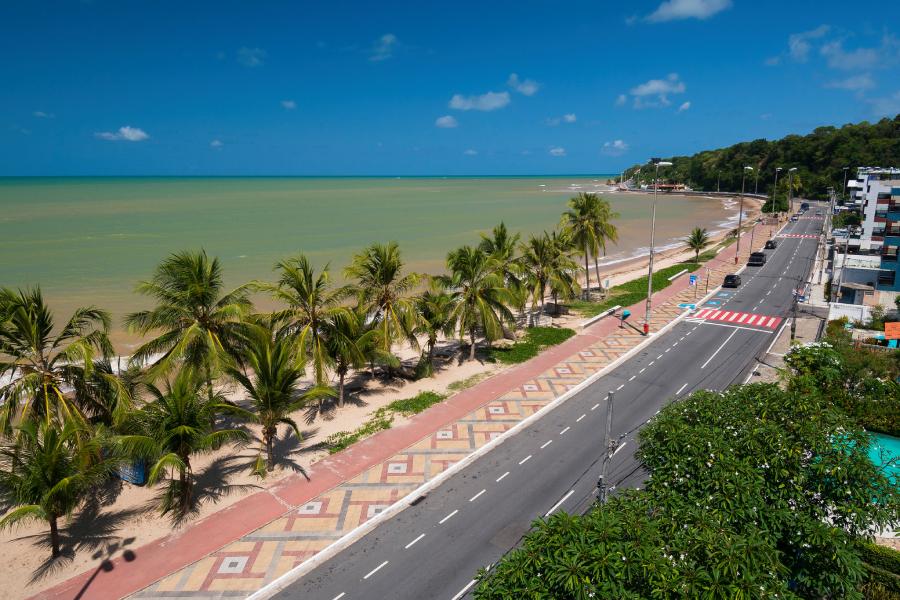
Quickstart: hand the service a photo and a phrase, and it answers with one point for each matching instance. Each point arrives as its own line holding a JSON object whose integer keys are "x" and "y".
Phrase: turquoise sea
{"x": 89, "y": 240}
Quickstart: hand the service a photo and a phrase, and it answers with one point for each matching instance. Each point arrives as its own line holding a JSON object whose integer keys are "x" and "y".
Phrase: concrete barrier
{"x": 679, "y": 274}
{"x": 605, "y": 313}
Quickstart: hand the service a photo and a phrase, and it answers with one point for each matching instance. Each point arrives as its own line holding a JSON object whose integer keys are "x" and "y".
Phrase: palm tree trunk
{"x": 54, "y": 536}
{"x": 270, "y": 448}
{"x": 587, "y": 273}
{"x": 472, "y": 349}
{"x": 341, "y": 388}
{"x": 209, "y": 388}
{"x": 597, "y": 272}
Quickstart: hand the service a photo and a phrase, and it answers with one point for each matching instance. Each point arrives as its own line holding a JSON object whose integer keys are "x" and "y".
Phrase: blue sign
{"x": 715, "y": 303}
{"x": 690, "y": 306}
{"x": 724, "y": 295}
{"x": 693, "y": 278}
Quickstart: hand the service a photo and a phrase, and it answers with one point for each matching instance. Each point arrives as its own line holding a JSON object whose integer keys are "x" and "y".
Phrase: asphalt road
{"x": 434, "y": 548}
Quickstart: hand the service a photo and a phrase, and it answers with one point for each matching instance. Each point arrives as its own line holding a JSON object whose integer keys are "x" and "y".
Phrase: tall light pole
{"x": 718, "y": 179}
{"x": 775, "y": 191}
{"x": 846, "y": 170}
{"x": 658, "y": 162}
{"x": 791, "y": 187}
{"x": 741, "y": 214}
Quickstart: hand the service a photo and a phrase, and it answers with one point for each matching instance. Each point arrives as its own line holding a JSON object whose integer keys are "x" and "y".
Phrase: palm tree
{"x": 606, "y": 231}
{"x": 311, "y": 306}
{"x": 565, "y": 250}
{"x": 545, "y": 265}
{"x": 47, "y": 471}
{"x": 175, "y": 426}
{"x": 478, "y": 294}
{"x": 272, "y": 386}
{"x": 436, "y": 311}
{"x": 697, "y": 241}
{"x": 580, "y": 222}
{"x": 505, "y": 247}
{"x": 45, "y": 374}
{"x": 351, "y": 344}
{"x": 199, "y": 322}
{"x": 383, "y": 290}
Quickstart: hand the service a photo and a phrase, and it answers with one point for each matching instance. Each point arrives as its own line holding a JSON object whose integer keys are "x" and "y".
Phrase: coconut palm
{"x": 565, "y": 251}
{"x": 172, "y": 428}
{"x": 45, "y": 368}
{"x": 478, "y": 293}
{"x": 697, "y": 241}
{"x": 272, "y": 386}
{"x": 198, "y": 323}
{"x": 544, "y": 264}
{"x": 505, "y": 247}
{"x": 312, "y": 303}
{"x": 605, "y": 230}
{"x": 581, "y": 223}
{"x": 382, "y": 290}
{"x": 47, "y": 472}
{"x": 436, "y": 311}
{"x": 353, "y": 344}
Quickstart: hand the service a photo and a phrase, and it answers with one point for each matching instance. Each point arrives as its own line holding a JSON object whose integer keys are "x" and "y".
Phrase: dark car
{"x": 771, "y": 244}
{"x": 757, "y": 259}
{"x": 732, "y": 281}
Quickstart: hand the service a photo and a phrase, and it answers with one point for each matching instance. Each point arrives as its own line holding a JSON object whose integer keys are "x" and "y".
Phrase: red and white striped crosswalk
{"x": 797, "y": 235}
{"x": 737, "y": 318}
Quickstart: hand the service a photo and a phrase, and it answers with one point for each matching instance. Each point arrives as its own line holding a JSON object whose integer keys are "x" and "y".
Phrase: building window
{"x": 884, "y": 195}
{"x": 870, "y": 293}
{"x": 886, "y": 278}
{"x": 889, "y": 253}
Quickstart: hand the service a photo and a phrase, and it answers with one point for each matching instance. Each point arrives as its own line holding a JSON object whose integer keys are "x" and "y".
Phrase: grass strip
{"x": 535, "y": 340}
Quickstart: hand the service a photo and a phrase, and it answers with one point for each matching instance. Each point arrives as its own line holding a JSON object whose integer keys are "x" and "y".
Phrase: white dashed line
{"x": 642, "y": 370}
{"x": 595, "y": 406}
{"x": 681, "y": 388}
{"x": 580, "y": 418}
{"x": 375, "y": 570}
{"x": 476, "y": 495}
{"x": 667, "y": 349}
{"x": 450, "y": 515}
{"x": 632, "y": 377}
{"x": 619, "y": 448}
{"x": 651, "y": 364}
{"x": 675, "y": 344}
{"x": 410, "y": 544}
{"x": 341, "y": 595}
{"x": 564, "y": 430}
{"x": 463, "y": 591}
{"x": 659, "y": 357}
{"x": 523, "y": 460}
{"x": 547, "y": 444}
{"x": 555, "y": 506}
{"x": 620, "y": 387}
{"x": 502, "y": 476}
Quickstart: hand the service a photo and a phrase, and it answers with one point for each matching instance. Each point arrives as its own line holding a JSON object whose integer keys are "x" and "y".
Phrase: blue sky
{"x": 422, "y": 88}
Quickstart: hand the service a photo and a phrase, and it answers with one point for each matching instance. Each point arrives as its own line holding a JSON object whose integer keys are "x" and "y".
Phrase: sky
{"x": 267, "y": 88}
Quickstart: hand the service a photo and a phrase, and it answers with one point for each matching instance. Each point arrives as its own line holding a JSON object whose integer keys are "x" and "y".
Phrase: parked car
{"x": 732, "y": 281}
{"x": 771, "y": 244}
{"x": 757, "y": 259}
{"x": 794, "y": 219}
{"x": 818, "y": 213}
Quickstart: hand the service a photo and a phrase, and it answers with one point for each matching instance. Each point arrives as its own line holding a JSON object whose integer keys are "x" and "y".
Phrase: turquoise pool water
{"x": 890, "y": 445}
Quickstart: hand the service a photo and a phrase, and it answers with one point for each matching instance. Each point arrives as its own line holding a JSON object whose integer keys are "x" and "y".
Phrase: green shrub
{"x": 342, "y": 439}
{"x": 881, "y": 557}
{"x": 464, "y": 384}
{"x": 416, "y": 404}
{"x": 631, "y": 292}
{"x": 535, "y": 340}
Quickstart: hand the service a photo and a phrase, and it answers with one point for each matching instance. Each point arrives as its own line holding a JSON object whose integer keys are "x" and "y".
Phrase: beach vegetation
{"x": 546, "y": 263}
{"x": 47, "y": 470}
{"x": 504, "y": 248}
{"x": 437, "y": 318}
{"x": 48, "y": 369}
{"x": 351, "y": 343}
{"x": 697, "y": 241}
{"x": 582, "y": 224}
{"x": 535, "y": 340}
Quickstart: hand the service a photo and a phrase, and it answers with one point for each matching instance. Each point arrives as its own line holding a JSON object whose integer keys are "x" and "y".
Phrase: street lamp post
{"x": 718, "y": 179}
{"x": 846, "y": 170}
{"x": 741, "y": 213}
{"x": 775, "y": 191}
{"x": 657, "y": 162}
{"x": 791, "y": 187}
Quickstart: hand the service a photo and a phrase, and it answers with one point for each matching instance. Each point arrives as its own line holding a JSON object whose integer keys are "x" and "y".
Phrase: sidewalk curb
{"x": 295, "y": 574}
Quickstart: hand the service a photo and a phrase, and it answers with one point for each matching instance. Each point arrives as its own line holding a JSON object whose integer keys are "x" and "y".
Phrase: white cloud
{"x": 861, "y": 58}
{"x": 660, "y": 88}
{"x": 557, "y": 151}
{"x": 684, "y": 107}
{"x": 773, "y": 61}
{"x": 570, "y": 118}
{"x": 615, "y": 148}
{"x": 40, "y": 113}
{"x": 622, "y": 100}
{"x": 289, "y": 104}
{"x": 384, "y": 47}
{"x": 766, "y": 116}
{"x": 527, "y": 87}
{"x": 856, "y": 82}
{"x": 551, "y": 121}
{"x": 251, "y": 57}
{"x": 470, "y": 152}
{"x": 526, "y": 153}
{"x": 886, "y": 107}
{"x": 447, "y": 122}
{"x": 216, "y": 144}
{"x": 675, "y": 10}
{"x": 132, "y": 134}
{"x": 799, "y": 47}
{"x": 485, "y": 102}
{"x": 20, "y": 129}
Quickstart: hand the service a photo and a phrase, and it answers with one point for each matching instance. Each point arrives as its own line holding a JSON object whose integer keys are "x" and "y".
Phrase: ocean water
{"x": 90, "y": 240}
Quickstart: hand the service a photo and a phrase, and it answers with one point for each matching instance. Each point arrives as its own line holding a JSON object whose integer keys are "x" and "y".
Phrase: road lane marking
{"x": 412, "y": 542}
{"x": 659, "y": 357}
{"x": 675, "y": 344}
{"x": 741, "y": 320}
{"x": 720, "y": 348}
{"x": 679, "y": 389}
{"x": 476, "y": 495}
{"x": 564, "y": 430}
{"x": 595, "y": 406}
{"x": 620, "y": 447}
{"x": 341, "y": 595}
{"x": 463, "y": 591}
{"x": 526, "y": 458}
{"x": 651, "y": 364}
{"x": 555, "y": 506}
{"x": 502, "y": 476}
{"x": 580, "y": 418}
{"x": 642, "y": 370}
{"x": 632, "y": 377}
{"x": 375, "y": 570}
{"x": 547, "y": 444}
{"x": 620, "y": 387}
{"x": 447, "y": 517}
{"x": 667, "y": 349}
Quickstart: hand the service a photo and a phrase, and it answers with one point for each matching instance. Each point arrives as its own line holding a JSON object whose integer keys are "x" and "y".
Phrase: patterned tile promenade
{"x": 271, "y": 551}
{"x": 247, "y": 545}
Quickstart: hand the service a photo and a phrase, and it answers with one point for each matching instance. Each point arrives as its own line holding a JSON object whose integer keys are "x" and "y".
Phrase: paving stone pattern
{"x": 262, "y": 556}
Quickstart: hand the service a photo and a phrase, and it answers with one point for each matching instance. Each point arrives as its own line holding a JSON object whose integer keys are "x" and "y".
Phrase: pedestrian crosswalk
{"x": 797, "y": 235}
{"x": 737, "y": 318}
